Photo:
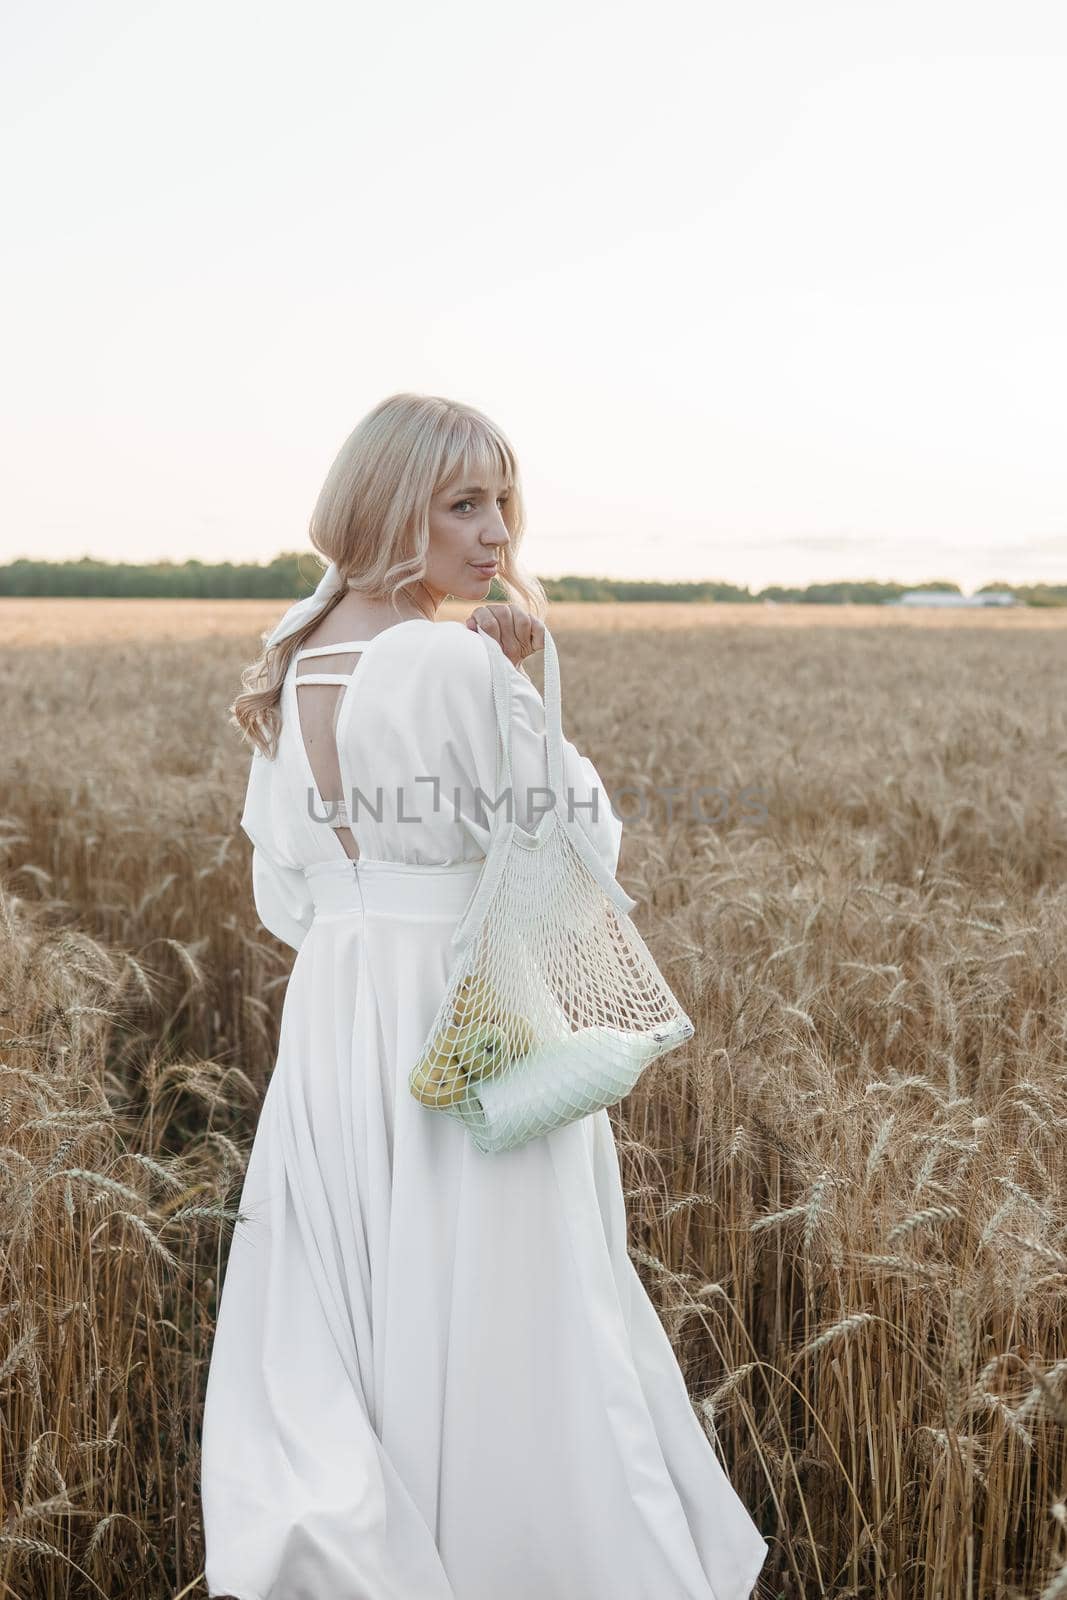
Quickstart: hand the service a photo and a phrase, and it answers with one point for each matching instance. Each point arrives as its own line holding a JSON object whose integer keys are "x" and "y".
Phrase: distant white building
{"x": 944, "y": 597}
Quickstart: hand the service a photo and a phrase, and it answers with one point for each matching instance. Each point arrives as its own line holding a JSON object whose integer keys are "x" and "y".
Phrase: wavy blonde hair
{"x": 372, "y": 518}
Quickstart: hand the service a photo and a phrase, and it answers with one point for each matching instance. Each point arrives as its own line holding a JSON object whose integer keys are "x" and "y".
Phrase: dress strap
{"x": 332, "y": 649}
{"x": 321, "y": 677}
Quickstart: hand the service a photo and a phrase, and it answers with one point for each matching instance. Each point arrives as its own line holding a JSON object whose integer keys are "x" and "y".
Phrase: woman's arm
{"x": 461, "y": 687}
{"x": 279, "y": 890}
{"x": 282, "y": 899}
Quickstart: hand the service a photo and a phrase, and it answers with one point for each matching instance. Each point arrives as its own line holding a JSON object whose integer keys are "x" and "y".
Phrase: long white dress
{"x": 436, "y": 1374}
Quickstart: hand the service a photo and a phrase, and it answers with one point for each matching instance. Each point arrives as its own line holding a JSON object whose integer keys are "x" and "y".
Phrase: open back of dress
{"x": 317, "y": 711}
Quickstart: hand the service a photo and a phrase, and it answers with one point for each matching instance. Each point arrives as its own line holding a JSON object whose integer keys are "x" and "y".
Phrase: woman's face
{"x": 467, "y": 528}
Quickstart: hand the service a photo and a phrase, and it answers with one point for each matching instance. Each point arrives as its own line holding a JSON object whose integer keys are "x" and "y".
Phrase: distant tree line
{"x": 286, "y": 577}
{"x": 295, "y": 573}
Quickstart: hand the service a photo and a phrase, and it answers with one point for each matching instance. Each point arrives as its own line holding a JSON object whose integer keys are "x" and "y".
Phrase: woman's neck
{"x": 414, "y": 603}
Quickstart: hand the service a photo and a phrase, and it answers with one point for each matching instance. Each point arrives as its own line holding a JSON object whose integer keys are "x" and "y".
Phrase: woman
{"x": 435, "y": 1374}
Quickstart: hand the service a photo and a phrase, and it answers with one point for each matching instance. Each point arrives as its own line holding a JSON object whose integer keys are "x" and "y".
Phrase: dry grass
{"x": 847, "y": 1195}
{"x": 71, "y": 621}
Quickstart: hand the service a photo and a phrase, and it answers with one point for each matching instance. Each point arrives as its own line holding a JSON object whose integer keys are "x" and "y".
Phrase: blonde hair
{"x": 372, "y": 519}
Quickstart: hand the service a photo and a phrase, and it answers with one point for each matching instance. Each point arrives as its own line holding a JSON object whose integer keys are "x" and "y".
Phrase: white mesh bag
{"x": 554, "y": 1006}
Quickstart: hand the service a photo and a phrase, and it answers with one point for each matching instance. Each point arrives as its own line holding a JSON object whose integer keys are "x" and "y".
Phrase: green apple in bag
{"x": 461, "y": 1053}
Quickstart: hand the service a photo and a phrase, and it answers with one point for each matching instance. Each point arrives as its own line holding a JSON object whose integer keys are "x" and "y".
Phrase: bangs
{"x": 475, "y": 453}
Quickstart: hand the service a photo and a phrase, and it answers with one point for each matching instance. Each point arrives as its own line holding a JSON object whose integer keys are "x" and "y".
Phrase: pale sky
{"x": 767, "y": 292}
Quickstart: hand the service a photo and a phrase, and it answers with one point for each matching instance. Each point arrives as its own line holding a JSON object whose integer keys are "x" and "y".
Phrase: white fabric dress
{"x": 436, "y": 1374}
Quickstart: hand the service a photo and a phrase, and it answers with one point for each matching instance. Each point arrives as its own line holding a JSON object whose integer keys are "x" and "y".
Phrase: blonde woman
{"x": 435, "y": 1373}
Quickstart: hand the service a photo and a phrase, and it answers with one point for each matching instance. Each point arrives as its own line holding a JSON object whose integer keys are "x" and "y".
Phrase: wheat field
{"x": 846, "y": 1195}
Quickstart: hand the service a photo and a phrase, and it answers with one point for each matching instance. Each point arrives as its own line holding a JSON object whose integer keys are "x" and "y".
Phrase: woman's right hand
{"x": 516, "y": 632}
